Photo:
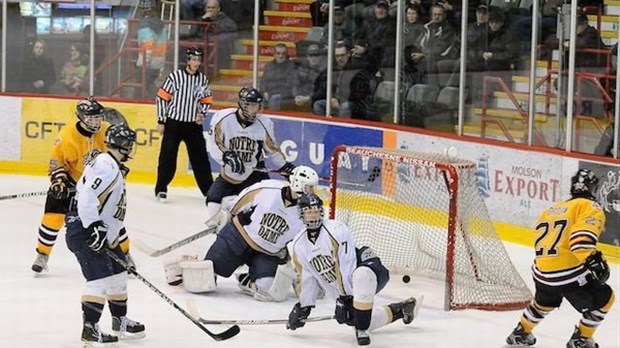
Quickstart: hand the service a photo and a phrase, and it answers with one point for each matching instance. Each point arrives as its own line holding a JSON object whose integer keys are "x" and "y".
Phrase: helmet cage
{"x": 90, "y": 113}
{"x": 121, "y": 138}
{"x": 303, "y": 180}
{"x": 311, "y": 211}
{"x": 247, "y": 97}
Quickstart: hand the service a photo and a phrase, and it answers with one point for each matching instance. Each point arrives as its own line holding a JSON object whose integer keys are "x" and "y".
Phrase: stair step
{"x": 524, "y": 97}
{"x": 282, "y": 33}
{"x": 294, "y": 6}
{"x": 222, "y": 97}
{"x": 291, "y": 14}
{"x": 510, "y": 114}
{"x": 245, "y": 61}
{"x": 288, "y": 18}
{"x": 267, "y": 48}
{"x": 492, "y": 132}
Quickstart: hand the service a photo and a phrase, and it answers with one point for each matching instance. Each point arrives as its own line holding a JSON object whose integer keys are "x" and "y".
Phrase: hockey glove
{"x": 97, "y": 231}
{"x": 598, "y": 267}
{"x": 232, "y": 160}
{"x": 287, "y": 169}
{"x": 344, "y": 310}
{"x": 296, "y": 317}
{"x": 283, "y": 256}
{"x": 60, "y": 187}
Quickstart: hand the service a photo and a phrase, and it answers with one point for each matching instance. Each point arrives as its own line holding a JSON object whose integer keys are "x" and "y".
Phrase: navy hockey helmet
{"x": 584, "y": 184}
{"x": 193, "y": 52}
{"x": 249, "y": 98}
{"x": 90, "y": 112}
{"x": 311, "y": 211}
{"x": 120, "y": 137}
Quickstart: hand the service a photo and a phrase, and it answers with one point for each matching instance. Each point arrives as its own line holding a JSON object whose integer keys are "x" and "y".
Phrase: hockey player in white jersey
{"x": 325, "y": 255}
{"x": 239, "y": 140}
{"x": 264, "y": 220}
{"x": 94, "y": 222}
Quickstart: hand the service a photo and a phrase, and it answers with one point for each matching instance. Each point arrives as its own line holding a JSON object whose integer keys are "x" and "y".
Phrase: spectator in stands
{"x": 548, "y": 23}
{"x": 439, "y": 42}
{"x": 343, "y": 29}
{"x": 587, "y": 37}
{"x": 74, "y": 72}
{"x": 221, "y": 29}
{"x": 344, "y": 69}
{"x": 37, "y": 70}
{"x": 413, "y": 31}
{"x": 378, "y": 29}
{"x": 190, "y": 9}
{"x": 306, "y": 72}
{"x": 498, "y": 55}
{"x": 363, "y": 86}
{"x": 152, "y": 36}
{"x": 319, "y": 10}
{"x": 242, "y": 13}
{"x": 278, "y": 78}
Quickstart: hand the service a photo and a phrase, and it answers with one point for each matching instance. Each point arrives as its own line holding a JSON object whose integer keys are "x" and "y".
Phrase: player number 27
{"x": 548, "y": 233}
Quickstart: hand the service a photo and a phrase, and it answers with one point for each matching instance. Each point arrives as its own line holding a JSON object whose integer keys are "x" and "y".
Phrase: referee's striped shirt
{"x": 182, "y": 95}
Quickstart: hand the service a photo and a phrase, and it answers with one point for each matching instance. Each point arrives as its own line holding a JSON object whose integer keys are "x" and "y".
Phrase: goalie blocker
{"x": 198, "y": 276}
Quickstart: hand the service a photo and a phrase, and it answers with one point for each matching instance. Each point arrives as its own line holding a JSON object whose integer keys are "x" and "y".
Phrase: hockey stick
{"x": 192, "y": 308}
{"x": 24, "y": 195}
{"x": 150, "y": 251}
{"x": 231, "y": 332}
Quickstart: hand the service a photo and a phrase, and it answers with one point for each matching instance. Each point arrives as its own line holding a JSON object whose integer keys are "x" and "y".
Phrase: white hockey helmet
{"x": 303, "y": 180}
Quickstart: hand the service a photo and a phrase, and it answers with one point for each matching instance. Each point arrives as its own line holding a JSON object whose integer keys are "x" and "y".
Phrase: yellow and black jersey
{"x": 74, "y": 149}
{"x": 566, "y": 234}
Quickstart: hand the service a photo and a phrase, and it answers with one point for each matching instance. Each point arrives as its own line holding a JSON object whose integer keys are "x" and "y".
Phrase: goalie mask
{"x": 303, "y": 180}
{"x": 121, "y": 138}
{"x": 311, "y": 211}
{"x": 584, "y": 184}
{"x": 250, "y": 103}
{"x": 90, "y": 113}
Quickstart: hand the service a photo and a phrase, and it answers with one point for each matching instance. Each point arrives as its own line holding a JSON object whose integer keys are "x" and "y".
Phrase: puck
{"x": 406, "y": 279}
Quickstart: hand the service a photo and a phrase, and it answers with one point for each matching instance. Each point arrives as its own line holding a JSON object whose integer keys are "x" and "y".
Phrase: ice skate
{"x": 245, "y": 284}
{"x": 519, "y": 338}
{"x": 40, "y": 263}
{"x": 126, "y": 328}
{"x": 162, "y": 197}
{"x": 93, "y": 337}
{"x": 363, "y": 337}
{"x": 578, "y": 341}
{"x": 407, "y": 309}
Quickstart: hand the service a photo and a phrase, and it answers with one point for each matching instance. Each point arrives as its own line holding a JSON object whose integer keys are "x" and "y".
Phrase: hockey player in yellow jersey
{"x": 568, "y": 265}
{"x": 75, "y": 146}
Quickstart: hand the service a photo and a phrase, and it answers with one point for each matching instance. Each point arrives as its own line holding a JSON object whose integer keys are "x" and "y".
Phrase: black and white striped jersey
{"x": 182, "y": 96}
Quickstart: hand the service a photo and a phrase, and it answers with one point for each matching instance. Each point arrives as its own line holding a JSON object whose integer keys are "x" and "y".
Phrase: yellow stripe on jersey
{"x": 105, "y": 195}
{"x": 336, "y": 252}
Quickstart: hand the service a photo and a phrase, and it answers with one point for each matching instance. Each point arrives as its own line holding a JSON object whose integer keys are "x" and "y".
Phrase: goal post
{"x": 423, "y": 215}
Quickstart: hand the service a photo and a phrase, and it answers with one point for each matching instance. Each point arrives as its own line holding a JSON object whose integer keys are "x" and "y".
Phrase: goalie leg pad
{"x": 275, "y": 289}
{"x": 173, "y": 271}
{"x": 198, "y": 276}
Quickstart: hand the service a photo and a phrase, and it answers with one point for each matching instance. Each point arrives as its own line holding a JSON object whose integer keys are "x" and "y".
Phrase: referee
{"x": 182, "y": 104}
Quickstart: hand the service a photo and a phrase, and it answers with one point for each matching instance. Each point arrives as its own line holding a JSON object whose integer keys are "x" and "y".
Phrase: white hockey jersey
{"x": 251, "y": 143}
{"x": 329, "y": 262}
{"x": 265, "y": 220}
{"x": 101, "y": 195}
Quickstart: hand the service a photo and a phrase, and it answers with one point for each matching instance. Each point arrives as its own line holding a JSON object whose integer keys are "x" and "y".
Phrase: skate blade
{"x": 127, "y": 336}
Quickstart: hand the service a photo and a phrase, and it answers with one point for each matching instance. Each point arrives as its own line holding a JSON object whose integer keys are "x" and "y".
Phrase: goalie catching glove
{"x": 297, "y": 315}
{"x": 60, "y": 187}
{"x": 97, "y": 231}
{"x": 235, "y": 163}
{"x": 598, "y": 267}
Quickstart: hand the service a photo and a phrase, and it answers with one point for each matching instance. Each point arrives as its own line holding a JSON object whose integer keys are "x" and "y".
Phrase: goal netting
{"x": 423, "y": 214}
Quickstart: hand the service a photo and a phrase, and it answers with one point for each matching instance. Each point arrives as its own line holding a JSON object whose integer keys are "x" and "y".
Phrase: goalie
{"x": 568, "y": 265}
{"x": 264, "y": 220}
{"x": 326, "y": 257}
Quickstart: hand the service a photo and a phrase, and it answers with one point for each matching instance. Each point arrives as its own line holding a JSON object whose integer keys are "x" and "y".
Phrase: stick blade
{"x": 230, "y": 333}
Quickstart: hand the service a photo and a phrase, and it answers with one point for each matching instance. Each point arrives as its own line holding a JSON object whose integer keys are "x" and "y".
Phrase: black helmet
{"x": 193, "y": 52}
{"x": 121, "y": 138}
{"x": 311, "y": 211}
{"x": 249, "y": 95}
{"x": 88, "y": 111}
{"x": 584, "y": 184}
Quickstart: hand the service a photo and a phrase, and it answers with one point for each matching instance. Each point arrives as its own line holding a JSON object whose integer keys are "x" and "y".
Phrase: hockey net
{"x": 423, "y": 214}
